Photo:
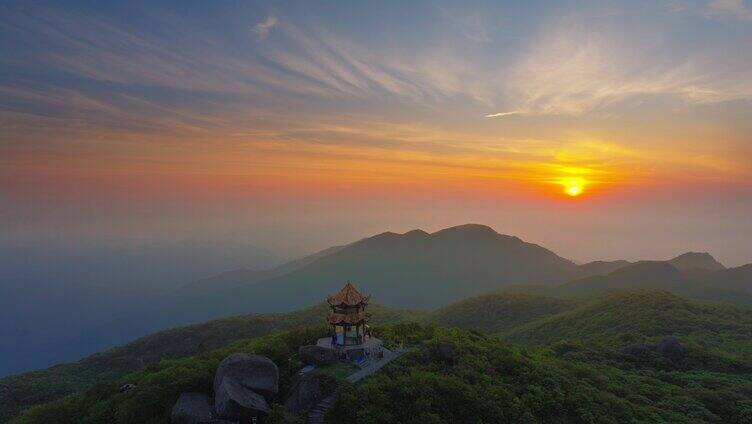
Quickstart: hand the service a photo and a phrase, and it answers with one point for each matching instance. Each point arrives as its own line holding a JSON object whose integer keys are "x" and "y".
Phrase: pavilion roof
{"x": 350, "y": 319}
{"x": 349, "y": 296}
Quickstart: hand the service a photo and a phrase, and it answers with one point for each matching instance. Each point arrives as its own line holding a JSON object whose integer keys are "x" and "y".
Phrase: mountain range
{"x": 468, "y": 276}
{"x": 417, "y": 270}
{"x": 421, "y": 270}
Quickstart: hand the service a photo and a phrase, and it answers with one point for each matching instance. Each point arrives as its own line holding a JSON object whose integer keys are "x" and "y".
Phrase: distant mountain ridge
{"x": 732, "y": 285}
{"x": 737, "y": 279}
{"x": 639, "y": 275}
{"x": 696, "y": 261}
{"x": 416, "y": 269}
{"x": 689, "y": 263}
{"x": 239, "y": 277}
{"x": 599, "y": 268}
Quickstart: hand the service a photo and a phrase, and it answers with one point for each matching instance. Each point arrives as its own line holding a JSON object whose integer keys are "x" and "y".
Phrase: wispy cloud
{"x": 262, "y": 29}
{"x": 345, "y": 68}
{"x": 730, "y": 8}
{"x": 501, "y": 114}
{"x": 120, "y": 84}
{"x": 471, "y": 25}
{"x": 570, "y": 71}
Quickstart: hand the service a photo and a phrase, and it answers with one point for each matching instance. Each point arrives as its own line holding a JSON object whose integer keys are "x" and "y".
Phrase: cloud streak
{"x": 262, "y": 29}
{"x": 502, "y": 114}
{"x": 571, "y": 71}
{"x": 730, "y": 8}
{"x": 315, "y": 91}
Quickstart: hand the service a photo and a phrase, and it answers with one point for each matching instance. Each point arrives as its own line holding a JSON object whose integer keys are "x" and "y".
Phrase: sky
{"x": 601, "y": 130}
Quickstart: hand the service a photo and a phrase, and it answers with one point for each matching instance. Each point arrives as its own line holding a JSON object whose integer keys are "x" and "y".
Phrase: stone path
{"x": 389, "y": 356}
{"x": 316, "y": 415}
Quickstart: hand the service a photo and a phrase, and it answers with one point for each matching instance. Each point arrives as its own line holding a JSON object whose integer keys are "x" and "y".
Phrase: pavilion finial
{"x": 348, "y": 296}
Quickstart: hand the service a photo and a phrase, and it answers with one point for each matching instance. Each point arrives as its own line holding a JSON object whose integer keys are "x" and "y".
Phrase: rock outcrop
{"x": 304, "y": 394}
{"x": 253, "y": 372}
{"x": 638, "y": 349}
{"x": 192, "y": 408}
{"x": 317, "y": 355}
{"x": 669, "y": 347}
{"x": 234, "y": 402}
{"x": 127, "y": 387}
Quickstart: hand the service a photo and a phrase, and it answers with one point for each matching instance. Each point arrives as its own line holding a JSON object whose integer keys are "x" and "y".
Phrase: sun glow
{"x": 573, "y": 188}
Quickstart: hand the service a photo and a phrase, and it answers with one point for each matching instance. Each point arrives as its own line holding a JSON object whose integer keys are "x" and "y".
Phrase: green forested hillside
{"x": 21, "y": 391}
{"x": 477, "y": 379}
{"x": 159, "y": 385}
{"x": 496, "y": 313}
{"x": 558, "y": 361}
{"x": 488, "y": 380}
{"x": 722, "y": 331}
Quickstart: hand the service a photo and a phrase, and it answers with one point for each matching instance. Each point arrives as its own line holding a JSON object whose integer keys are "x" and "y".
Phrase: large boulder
{"x": 254, "y": 372}
{"x": 234, "y": 402}
{"x": 317, "y": 355}
{"x": 669, "y": 347}
{"x": 304, "y": 393}
{"x": 192, "y": 408}
{"x": 638, "y": 349}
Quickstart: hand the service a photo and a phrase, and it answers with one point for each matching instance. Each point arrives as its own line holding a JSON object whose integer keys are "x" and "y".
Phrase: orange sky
{"x": 183, "y": 115}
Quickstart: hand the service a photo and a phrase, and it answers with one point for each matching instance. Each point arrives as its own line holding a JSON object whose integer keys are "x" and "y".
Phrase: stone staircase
{"x": 316, "y": 415}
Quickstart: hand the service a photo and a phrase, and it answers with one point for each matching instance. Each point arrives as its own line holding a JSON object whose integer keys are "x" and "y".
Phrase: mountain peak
{"x": 696, "y": 260}
{"x": 416, "y": 233}
{"x": 462, "y": 231}
{"x": 468, "y": 229}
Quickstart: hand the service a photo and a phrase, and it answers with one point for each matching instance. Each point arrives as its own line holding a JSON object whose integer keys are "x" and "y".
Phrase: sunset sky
{"x": 601, "y": 130}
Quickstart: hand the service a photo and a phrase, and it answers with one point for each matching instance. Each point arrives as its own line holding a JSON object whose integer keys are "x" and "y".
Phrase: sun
{"x": 573, "y": 188}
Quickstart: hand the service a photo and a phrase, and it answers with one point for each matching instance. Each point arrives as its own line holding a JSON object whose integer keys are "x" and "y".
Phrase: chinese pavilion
{"x": 348, "y": 320}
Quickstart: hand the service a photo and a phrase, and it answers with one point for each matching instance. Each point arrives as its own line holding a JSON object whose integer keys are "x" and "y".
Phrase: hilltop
{"x": 716, "y": 335}
{"x": 497, "y": 313}
{"x": 447, "y": 374}
{"x": 692, "y": 261}
{"x": 643, "y": 316}
{"x": 23, "y": 390}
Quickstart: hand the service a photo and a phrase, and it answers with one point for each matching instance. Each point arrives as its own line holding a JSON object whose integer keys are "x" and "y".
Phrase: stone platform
{"x": 371, "y": 348}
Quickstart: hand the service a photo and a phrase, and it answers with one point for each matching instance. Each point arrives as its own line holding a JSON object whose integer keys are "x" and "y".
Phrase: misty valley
{"x": 545, "y": 339}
